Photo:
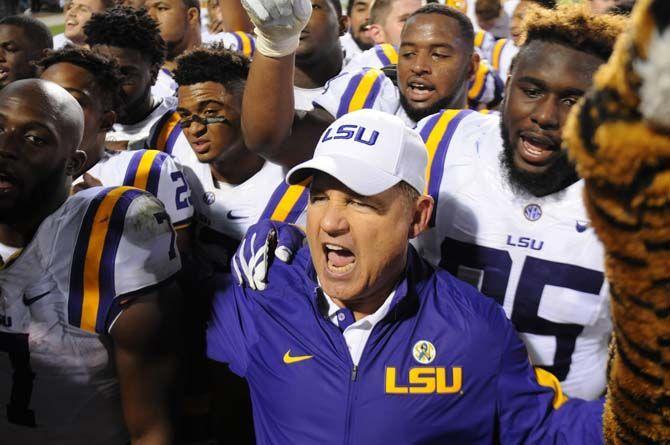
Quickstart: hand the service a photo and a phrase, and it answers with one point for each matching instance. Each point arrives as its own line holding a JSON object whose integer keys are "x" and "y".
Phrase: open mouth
{"x": 7, "y": 183}
{"x": 4, "y": 72}
{"x": 339, "y": 260}
{"x": 200, "y": 146}
{"x": 536, "y": 149}
{"x": 419, "y": 91}
{"x": 71, "y": 23}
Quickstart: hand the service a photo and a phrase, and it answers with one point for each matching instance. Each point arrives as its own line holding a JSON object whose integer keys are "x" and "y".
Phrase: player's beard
{"x": 560, "y": 174}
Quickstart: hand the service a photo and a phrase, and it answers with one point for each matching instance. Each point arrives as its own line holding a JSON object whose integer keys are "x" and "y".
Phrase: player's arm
{"x": 142, "y": 260}
{"x": 235, "y": 17}
{"x": 269, "y": 123}
{"x": 146, "y": 338}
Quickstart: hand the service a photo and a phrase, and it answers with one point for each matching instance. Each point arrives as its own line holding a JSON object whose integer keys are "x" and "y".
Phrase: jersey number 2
{"x": 18, "y": 408}
{"x": 535, "y": 275}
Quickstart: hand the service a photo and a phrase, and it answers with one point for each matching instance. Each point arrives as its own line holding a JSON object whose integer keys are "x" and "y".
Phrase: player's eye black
{"x": 187, "y": 121}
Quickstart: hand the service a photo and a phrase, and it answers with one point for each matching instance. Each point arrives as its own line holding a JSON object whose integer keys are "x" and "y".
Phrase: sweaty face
{"x": 358, "y": 243}
{"x": 433, "y": 65}
{"x": 16, "y": 54}
{"x": 322, "y": 32}
{"x": 78, "y": 13}
{"x": 216, "y": 141}
{"x": 81, "y": 84}
{"x": 358, "y": 21}
{"x": 33, "y": 155}
{"x": 396, "y": 18}
{"x": 171, "y": 18}
{"x": 138, "y": 74}
{"x": 547, "y": 80}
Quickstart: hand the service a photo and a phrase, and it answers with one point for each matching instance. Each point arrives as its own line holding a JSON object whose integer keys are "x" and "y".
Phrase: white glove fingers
{"x": 256, "y": 11}
{"x": 283, "y": 253}
{"x": 302, "y": 9}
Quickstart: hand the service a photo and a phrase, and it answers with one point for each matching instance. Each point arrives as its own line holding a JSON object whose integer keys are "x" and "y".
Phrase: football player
{"x": 87, "y": 301}
{"x": 319, "y": 57}
{"x": 357, "y": 39}
{"x": 232, "y": 186}
{"x": 23, "y": 40}
{"x": 436, "y": 60}
{"x": 132, "y": 37}
{"x": 95, "y": 82}
{"x": 77, "y": 13}
{"x": 179, "y": 24}
{"x": 387, "y": 18}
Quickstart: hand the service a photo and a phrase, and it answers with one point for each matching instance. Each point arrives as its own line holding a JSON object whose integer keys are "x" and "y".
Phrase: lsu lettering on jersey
{"x": 537, "y": 257}
{"x": 368, "y": 88}
{"x": 59, "y": 300}
{"x": 160, "y": 124}
{"x": 153, "y": 171}
{"x": 484, "y": 90}
{"x": 444, "y": 366}
{"x": 224, "y": 212}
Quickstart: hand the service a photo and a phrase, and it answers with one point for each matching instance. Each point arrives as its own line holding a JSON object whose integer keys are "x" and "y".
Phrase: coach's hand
{"x": 265, "y": 240}
{"x": 278, "y": 24}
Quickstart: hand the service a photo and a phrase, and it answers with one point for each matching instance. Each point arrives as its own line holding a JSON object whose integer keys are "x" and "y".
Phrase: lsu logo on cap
{"x": 424, "y": 379}
{"x": 423, "y": 352}
{"x": 348, "y": 131}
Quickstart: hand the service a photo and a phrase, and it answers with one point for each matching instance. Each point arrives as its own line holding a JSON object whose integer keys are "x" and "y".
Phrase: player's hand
{"x": 278, "y": 24}
{"x": 87, "y": 182}
{"x": 265, "y": 240}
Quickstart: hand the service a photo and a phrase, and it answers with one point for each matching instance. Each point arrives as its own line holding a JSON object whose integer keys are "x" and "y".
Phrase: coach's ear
{"x": 344, "y": 24}
{"x": 423, "y": 209}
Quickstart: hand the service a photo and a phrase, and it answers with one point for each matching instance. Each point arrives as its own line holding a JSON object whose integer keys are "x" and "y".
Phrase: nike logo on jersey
{"x": 230, "y": 215}
{"x": 28, "y": 301}
{"x": 289, "y": 359}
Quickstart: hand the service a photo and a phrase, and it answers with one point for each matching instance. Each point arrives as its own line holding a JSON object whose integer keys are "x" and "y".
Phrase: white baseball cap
{"x": 369, "y": 151}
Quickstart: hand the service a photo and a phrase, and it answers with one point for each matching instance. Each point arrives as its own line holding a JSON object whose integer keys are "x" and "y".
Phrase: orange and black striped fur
{"x": 624, "y": 157}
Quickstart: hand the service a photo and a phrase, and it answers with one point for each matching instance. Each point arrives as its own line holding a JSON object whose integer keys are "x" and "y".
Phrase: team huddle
{"x": 354, "y": 226}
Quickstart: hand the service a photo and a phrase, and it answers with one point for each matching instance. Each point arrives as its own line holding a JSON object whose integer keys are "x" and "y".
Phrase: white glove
{"x": 278, "y": 24}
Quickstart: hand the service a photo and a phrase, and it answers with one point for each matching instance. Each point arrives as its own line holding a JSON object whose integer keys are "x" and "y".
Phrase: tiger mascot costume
{"x": 619, "y": 138}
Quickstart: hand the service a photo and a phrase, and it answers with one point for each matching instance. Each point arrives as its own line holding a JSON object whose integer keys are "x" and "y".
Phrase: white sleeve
{"x": 368, "y": 88}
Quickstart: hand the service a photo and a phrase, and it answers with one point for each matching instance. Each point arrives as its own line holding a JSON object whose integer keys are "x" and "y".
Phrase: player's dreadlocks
{"x": 105, "y": 70}
{"x": 573, "y": 26}
{"x": 129, "y": 28}
{"x": 212, "y": 64}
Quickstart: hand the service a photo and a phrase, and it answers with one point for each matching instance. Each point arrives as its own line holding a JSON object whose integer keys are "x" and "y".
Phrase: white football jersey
{"x": 368, "y": 88}
{"x": 165, "y": 85}
{"x": 137, "y": 135}
{"x": 502, "y": 55}
{"x": 304, "y": 97}
{"x": 236, "y": 41}
{"x": 150, "y": 170}
{"x": 58, "y": 302}
{"x": 486, "y": 87}
{"x": 349, "y": 47}
{"x": 59, "y": 41}
{"x": 538, "y": 257}
{"x": 224, "y": 212}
